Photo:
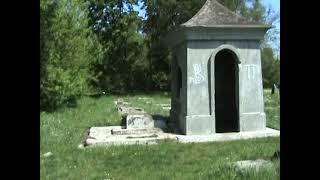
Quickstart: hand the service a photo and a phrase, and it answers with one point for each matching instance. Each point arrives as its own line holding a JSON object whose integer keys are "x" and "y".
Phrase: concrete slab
{"x": 252, "y": 164}
{"x": 104, "y": 136}
{"x": 135, "y": 131}
{"x": 125, "y": 110}
{"x": 166, "y": 108}
{"x": 268, "y": 132}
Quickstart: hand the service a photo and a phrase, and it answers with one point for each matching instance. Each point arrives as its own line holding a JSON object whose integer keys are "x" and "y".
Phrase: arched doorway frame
{"x": 211, "y": 76}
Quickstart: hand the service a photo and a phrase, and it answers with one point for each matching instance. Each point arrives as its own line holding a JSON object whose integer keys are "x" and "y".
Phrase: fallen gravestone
{"x": 135, "y": 121}
{"x": 252, "y": 164}
{"x": 143, "y": 98}
{"x": 48, "y": 154}
{"x": 125, "y": 110}
{"x": 165, "y": 106}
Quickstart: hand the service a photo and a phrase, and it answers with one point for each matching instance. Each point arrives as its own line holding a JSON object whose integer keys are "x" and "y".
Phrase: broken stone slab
{"x": 124, "y": 110}
{"x": 142, "y": 136}
{"x": 119, "y": 103}
{"x": 48, "y": 154}
{"x": 252, "y": 164}
{"x": 110, "y": 142}
{"x": 139, "y": 121}
{"x": 166, "y": 108}
{"x": 119, "y": 100}
{"x": 164, "y": 105}
{"x": 103, "y": 136}
{"x": 135, "y": 131}
{"x": 268, "y": 132}
{"x": 80, "y": 146}
{"x": 143, "y": 98}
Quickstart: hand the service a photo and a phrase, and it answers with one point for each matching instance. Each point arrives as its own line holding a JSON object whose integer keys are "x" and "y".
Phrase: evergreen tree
{"x": 68, "y": 51}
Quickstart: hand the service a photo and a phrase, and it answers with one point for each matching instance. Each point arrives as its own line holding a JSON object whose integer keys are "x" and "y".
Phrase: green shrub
{"x": 68, "y": 52}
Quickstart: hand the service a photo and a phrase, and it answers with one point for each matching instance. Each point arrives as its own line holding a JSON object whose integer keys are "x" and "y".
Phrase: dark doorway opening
{"x": 226, "y": 91}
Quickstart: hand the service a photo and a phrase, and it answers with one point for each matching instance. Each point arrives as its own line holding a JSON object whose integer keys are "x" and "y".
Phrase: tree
{"x": 117, "y": 26}
{"x": 68, "y": 51}
{"x": 166, "y": 15}
{"x": 270, "y": 68}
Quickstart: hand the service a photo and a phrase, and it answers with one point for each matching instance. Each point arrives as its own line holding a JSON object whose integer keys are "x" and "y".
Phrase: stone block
{"x": 124, "y": 110}
{"x": 139, "y": 121}
{"x": 134, "y": 131}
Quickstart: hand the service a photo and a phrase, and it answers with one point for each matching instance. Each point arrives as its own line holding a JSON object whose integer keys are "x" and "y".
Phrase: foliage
{"x": 270, "y": 68}
{"x": 164, "y": 16}
{"x": 260, "y": 13}
{"x": 117, "y": 26}
{"x": 68, "y": 51}
{"x": 104, "y": 45}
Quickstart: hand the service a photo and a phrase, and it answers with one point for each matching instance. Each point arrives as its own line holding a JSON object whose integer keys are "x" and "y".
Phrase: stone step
{"x": 134, "y": 131}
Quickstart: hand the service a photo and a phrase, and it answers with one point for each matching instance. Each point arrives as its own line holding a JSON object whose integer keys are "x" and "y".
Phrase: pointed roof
{"x": 214, "y": 14}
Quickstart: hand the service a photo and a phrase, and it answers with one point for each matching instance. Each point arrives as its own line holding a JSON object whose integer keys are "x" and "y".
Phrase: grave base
{"x": 104, "y": 136}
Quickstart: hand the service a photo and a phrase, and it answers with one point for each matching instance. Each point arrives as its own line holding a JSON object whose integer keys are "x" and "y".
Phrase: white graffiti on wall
{"x": 252, "y": 71}
{"x": 197, "y": 74}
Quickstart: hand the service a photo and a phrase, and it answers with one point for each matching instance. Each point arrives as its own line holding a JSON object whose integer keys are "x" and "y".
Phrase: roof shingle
{"x": 214, "y": 14}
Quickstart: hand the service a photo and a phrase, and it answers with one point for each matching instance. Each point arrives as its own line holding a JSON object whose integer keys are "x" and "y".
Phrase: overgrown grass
{"x": 62, "y": 131}
{"x": 272, "y": 109}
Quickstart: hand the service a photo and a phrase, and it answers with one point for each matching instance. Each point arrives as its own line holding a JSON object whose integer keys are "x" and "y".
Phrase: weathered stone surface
{"x": 252, "y": 164}
{"x": 140, "y": 136}
{"x": 216, "y": 137}
{"x": 139, "y": 121}
{"x": 213, "y": 14}
{"x": 104, "y": 136}
{"x": 80, "y": 146}
{"x": 121, "y": 103}
{"x": 48, "y": 154}
{"x": 124, "y": 110}
{"x": 143, "y": 98}
{"x": 217, "y": 70}
{"x": 135, "y": 131}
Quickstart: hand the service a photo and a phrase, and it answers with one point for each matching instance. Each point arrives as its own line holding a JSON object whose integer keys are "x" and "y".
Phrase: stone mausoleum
{"x": 216, "y": 86}
{"x": 216, "y": 73}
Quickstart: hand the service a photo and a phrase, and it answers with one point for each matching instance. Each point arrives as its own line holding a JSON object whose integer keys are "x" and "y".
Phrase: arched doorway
{"x": 226, "y": 79}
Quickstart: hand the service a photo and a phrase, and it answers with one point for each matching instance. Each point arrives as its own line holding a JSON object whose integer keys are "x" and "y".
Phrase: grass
{"x": 272, "y": 109}
{"x": 63, "y": 130}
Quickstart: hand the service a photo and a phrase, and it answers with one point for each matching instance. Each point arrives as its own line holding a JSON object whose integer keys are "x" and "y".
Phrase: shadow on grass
{"x": 159, "y": 117}
{"x": 169, "y": 126}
